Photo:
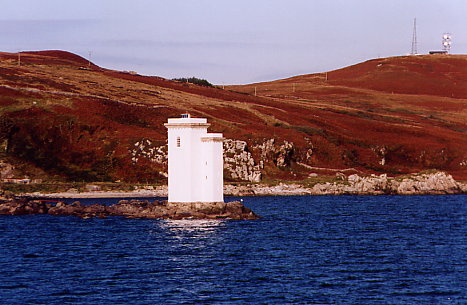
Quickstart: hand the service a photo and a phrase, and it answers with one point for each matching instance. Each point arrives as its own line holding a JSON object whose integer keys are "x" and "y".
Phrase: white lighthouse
{"x": 195, "y": 161}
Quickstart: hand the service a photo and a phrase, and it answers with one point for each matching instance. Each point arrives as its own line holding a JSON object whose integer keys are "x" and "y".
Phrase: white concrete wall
{"x": 196, "y": 167}
{"x": 214, "y": 168}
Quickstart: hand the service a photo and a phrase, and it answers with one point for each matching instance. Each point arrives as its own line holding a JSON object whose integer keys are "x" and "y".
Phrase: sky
{"x": 231, "y": 41}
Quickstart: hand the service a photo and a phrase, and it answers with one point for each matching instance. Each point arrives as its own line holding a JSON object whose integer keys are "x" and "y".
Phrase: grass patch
{"x": 309, "y": 130}
{"x": 312, "y": 181}
{"x": 58, "y": 187}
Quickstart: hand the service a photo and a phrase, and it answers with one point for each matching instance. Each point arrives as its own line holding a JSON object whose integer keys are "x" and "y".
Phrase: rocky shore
{"x": 129, "y": 209}
{"x": 416, "y": 184}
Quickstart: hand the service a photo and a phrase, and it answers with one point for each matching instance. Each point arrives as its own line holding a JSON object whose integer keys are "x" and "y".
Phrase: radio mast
{"x": 414, "y": 38}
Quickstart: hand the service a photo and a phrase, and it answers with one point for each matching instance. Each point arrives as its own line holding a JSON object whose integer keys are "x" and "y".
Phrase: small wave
{"x": 428, "y": 293}
{"x": 71, "y": 293}
{"x": 31, "y": 255}
{"x": 19, "y": 286}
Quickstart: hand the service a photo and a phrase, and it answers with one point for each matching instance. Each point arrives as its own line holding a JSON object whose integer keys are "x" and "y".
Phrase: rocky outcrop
{"x": 419, "y": 184}
{"x": 438, "y": 182}
{"x": 239, "y": 163}
{"x": 281, "y": 189}
{"x": 131, "y": 209}
{"x": 279, "y": 153}
{"x": 196, "y": 210}
{"x": 146, "y": 149}
{"x": 427, "y": 183}
{"x": 23, "y": 207}
{"x": 6, "y": 170}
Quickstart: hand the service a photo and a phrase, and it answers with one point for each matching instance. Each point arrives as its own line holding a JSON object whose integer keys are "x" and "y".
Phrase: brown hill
{"x": 78, "y": 121}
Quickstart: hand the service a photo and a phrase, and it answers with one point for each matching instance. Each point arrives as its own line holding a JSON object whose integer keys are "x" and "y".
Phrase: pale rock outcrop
{"x": 239, "y": 163}
{"x": 327, "y": 189}
{"x": 146, "y": 149}
{"x": 265, "y": 190}
{"x": 381, "y": 152}
{"x": 6, "y": 170}
{"x": 281, "y": 189}
{"x": 432, "y": 183}
{"x": 438, "y": 182}
{"x": 92, "y": 188}
{"x": 280, "y": 154}
{"x": 371, "y": 184}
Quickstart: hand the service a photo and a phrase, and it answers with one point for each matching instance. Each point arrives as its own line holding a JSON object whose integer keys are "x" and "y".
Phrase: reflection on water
{"x": 194, "y": 228}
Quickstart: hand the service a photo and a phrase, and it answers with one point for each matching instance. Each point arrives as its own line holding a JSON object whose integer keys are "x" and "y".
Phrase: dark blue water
{"x": 306, "y": 250}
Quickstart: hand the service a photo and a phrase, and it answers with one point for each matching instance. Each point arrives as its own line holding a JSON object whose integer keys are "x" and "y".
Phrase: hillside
{"x": 63, "y": 118}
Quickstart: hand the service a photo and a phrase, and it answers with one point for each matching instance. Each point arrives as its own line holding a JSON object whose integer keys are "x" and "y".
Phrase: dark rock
{"x": 76, "y": 204}
{"x": 132, "y": 209}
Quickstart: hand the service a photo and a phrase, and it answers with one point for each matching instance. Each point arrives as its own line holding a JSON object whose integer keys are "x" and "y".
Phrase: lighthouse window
{"x": 178, "y": 141}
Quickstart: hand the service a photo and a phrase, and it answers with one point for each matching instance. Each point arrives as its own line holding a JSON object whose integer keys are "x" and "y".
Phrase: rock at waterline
{"x": 131, "y": 209}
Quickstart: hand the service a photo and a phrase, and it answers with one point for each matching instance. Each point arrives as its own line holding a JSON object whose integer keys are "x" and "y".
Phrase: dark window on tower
{"x": 178, "y": 141}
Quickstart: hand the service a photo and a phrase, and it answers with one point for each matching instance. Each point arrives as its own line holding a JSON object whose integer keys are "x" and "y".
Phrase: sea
{"x": 304, "y": 250}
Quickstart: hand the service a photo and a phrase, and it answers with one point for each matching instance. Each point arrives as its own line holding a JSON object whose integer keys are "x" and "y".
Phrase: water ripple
{"x": 305, "y": 250}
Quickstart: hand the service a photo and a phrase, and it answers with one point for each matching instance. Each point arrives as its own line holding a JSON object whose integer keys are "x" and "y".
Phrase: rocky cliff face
{"x": 239, "y": 164}
{"x": 246, "y": 162}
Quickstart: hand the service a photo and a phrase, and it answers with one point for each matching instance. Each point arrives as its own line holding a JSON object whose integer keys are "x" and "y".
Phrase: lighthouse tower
{"x": 195, "y": 161}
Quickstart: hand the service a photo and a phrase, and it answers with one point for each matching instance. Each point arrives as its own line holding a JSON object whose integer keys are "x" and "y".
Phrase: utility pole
{"x": 255, "y": 91}
{"x": 89, "y": 60}
{"x": 414, "y": 38}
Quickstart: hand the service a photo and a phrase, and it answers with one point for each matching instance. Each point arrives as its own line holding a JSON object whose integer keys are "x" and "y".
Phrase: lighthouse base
{"x": 130, "y": 209}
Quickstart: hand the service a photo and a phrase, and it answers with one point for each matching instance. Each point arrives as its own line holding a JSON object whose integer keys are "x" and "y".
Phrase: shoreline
{"x": 438, "y": 183}
{"x": 131, "y": 195}
{"x": 96, "y": 194}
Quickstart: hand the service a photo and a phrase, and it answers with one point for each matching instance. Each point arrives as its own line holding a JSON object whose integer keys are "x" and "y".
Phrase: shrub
{"x": 194, "y": 80}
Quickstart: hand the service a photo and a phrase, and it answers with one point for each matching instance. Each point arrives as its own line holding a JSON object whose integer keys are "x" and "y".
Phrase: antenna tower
{"x": 447, "y": 42}
{"x": 414, "y": 38}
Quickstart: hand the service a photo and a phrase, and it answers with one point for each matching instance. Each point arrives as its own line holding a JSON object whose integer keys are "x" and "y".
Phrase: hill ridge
{"x": 84, "y": 124}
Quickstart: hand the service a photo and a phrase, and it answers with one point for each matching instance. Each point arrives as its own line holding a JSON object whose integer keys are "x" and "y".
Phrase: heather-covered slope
{"x": 62, "y": 117}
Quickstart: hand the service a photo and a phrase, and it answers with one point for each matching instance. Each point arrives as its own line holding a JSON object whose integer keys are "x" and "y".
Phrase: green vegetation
{"x": 40, "y": 187}
{"x": 194, "y": 80}
{"x": 312, "y": 181}
{"x": 309, "y": 130}
{"x": 56, "y": 187}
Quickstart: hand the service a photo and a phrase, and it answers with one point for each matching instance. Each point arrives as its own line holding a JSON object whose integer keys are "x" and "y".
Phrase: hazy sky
{"x": 231, "y": 41}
